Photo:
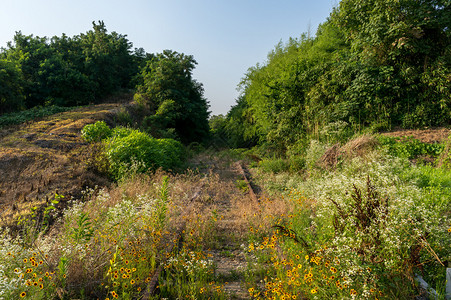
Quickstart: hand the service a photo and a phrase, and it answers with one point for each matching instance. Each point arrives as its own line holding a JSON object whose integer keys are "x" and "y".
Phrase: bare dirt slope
{"x": 42, "y": 157}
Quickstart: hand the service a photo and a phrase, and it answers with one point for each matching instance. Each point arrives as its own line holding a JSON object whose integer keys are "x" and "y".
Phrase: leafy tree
{"x": 372, "y": 63}
{"x": 402, "y": 43}
{"x": 71, "y": 71}
{"x": 175, "y": 99}
{"x": 240, "y": 126}
{"x": 108, "y": 60}
{"x": 28, "y": 53}
{"x": 64, "y": 84}
{"x": 11, "y": 97}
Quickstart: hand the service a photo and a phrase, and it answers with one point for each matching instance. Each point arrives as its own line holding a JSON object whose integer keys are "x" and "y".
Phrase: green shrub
{"x": 96, "y": 132}
{"x": 120, "y": 132}
{"x": 313, "y": 154}
{"x": 296, "y": 163}
{"x": 444, "y": 159}
{"x": 409, "y": 147}
{"x": 274, "y": 165}
{"x": 138, "y": 152}
{"x": 129, "y": 150}
{"x": 335, "y": 132}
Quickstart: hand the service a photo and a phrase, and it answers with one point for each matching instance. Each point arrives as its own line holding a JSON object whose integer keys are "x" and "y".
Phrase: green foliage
{"x": 65, "y": 71}
{"x": 242, "y": 185}
{"x": 174, "y": 98}
{"x": 11, "y": 95}
{"x": 137, "y": 150}
{"x": 239, "y": 126}
{"x": 375, "y": 64}
{"x": 83, "y": 230}
{"x": 218, "y": 133}
{"x": 108, "y": 60}
{"x": 274, "y": 165}
{"x": 121, "y": 132}
{"x": 336, "y": 132}
{"x": 445, "y": 157}
{"x": 410, "y": 147}
{"x": 15, "y": 118}
{"x": 360, "y": 230}
{"x": 130, "y": 151}
{"x": 96, "y": 132}
{"x": 37, "y": 221}
{"x": 162, "y": 203}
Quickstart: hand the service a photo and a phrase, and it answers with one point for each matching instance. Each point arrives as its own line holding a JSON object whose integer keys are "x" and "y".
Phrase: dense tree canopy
{"x": 11, "y": 95}
{"x": 66, "y": 71}
{"x": 175, "y": 99}
{"x": 83, "y": 69}
{"x": 372, "y": 63}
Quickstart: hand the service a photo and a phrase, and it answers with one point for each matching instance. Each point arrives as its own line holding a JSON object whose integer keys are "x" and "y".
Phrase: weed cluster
{"x": 361, "y": 231}
{"x": 410, "y": 147}
{"x": 109, "y": 244}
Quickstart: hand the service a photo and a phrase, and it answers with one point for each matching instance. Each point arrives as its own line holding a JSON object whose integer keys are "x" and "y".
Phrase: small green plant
{"x": 162, "y": 203}
{"x": 37, "y": 221}
{"x": 62, "y": 271}
{"x": 242, "y": 185}
{"x": 96, "y": 132}
{"x": 274, "y": 165}
{"x": 84, "y": 230}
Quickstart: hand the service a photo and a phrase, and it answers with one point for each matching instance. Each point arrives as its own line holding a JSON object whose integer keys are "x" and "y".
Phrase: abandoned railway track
{"x": 227, "y": 252}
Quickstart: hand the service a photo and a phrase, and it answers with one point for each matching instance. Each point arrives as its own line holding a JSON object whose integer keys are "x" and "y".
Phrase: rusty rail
{"x": 246, "y": 179}
{"x": 152, "y": 285}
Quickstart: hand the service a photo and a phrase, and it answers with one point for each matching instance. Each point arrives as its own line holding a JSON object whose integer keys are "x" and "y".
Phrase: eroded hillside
{"x": 42, "y": 157}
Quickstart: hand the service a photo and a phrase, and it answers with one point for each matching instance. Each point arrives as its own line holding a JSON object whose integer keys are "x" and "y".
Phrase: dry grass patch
{"x": 358, "y": 147}
{"x": 41, "y": 157}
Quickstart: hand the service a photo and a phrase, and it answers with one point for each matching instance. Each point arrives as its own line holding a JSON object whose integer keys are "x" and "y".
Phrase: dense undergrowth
{"x": 361, "y": 228}
{"x": 358, "y": 219}
{"x": 109, "y": 244}
{"x": 34, "y": 113}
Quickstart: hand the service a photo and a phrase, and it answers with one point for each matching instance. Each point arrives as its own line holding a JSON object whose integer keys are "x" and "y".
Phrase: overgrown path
{"x": 229, "y": 201}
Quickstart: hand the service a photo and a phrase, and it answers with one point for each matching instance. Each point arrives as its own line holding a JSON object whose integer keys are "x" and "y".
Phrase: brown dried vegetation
{"x": 356, "y": 147}
{"x": 41, "y": 157}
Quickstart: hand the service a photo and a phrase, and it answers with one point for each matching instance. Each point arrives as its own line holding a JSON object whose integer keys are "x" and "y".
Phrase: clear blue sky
{"x": 226, "y": 37}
